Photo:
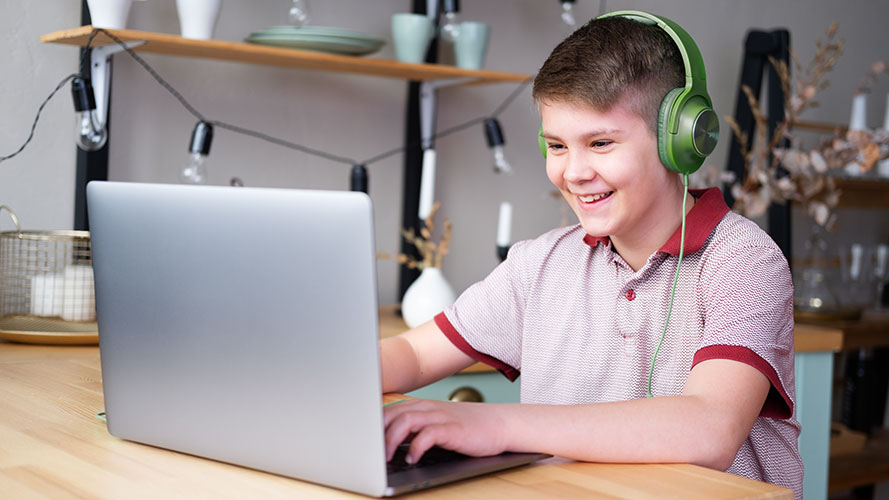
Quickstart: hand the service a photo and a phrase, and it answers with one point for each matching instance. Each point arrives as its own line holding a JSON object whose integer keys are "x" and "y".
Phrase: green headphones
{"x": 688, "y": 128}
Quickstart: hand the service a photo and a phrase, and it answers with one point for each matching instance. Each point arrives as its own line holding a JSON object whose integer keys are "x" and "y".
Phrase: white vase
{"x": 111, "y": 14}
{"x": 197, "y": 18}
{"x": 427, "y": 296}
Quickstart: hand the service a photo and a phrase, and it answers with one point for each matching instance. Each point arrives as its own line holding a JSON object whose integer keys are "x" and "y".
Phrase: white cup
{"x": 411, "y": 35}
{"x": 111, "y": 14}
{"x": 471, "y": 45}
{"x": 197, "y": 18}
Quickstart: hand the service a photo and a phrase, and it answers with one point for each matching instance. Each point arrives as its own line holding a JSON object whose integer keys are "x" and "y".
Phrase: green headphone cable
{"x": 675, "y": 279}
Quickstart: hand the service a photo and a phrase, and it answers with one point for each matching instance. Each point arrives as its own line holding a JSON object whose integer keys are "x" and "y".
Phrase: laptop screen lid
{"x": 240, "y": 324}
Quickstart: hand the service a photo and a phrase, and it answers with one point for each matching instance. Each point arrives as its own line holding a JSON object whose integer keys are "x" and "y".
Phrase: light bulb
{"x": 299, "y": 13}
{"x": 90, "y": 131}
{"x": 501, "y": 166}
{"x": 568, "y": 12}
{"x": 451, "y": 27}
{"x": 494, "y": 134}
{"x": 195, "y": 170}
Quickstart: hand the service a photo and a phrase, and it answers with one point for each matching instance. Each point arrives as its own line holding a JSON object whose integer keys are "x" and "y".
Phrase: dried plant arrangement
{"x": 866, "y": 84}
{"x": 779, "y": 173}
{"x": 431, "y": 253}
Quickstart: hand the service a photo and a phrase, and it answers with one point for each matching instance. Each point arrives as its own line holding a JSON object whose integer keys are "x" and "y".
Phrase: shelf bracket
{"x": 429, "y": 105}
{"x": 100, "y": 74}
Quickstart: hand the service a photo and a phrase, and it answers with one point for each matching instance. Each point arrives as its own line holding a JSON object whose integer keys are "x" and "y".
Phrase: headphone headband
{"x": 695, "y": 74}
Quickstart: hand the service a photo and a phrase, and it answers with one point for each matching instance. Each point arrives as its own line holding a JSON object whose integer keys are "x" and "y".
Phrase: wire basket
{"x": 46, "y": 274}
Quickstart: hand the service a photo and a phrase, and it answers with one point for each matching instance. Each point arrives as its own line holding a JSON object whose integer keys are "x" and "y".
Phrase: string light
{"x": 90, "y": 131}
{"x": 195, "y": 170}
{"x": 358, "y": 179}
{"x": 451, "y": 28}
{"x": 494, "y": 135}
{"x": 568, "y": 12}
{"x": 252, "y": 133}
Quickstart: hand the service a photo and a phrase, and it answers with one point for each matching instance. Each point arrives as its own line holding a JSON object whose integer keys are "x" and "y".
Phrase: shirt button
{"x": 631, "y": 294}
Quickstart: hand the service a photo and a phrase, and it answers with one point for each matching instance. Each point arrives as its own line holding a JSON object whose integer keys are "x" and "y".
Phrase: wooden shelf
{"x": 163, "y": 43}
{"x": 856, "y": 192}
{"x": 868, "y": 466}
{"x": 872, "y": 330}
{"x": 863, "y": 193}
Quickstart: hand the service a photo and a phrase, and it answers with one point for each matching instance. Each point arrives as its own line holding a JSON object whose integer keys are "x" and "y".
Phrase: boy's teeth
{"x": 592, "y": 197}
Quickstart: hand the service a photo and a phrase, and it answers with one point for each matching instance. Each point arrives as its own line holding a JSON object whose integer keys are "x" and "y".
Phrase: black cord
{"x": 36, "y": 118}
{"x": 515, "y": 93}
{"x": 83, "y": 55}
{"x": 455, "y": 128}
{"x": 241, "y": 130}
{"x": 182, "y": 100}
{"x": 285, "y": 143}
{"x": 293, "y": 145}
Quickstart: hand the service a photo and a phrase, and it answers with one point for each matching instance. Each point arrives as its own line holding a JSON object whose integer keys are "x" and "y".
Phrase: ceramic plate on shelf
{"x": 330, "y": 45}
{"x": 56, "y": 331}
{"x": 331, "y": 40}
{"x": 315, "y": 31}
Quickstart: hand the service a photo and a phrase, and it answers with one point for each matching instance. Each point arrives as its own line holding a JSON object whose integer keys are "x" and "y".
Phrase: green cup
{"x": 471, "y": 45}
{"x": 411, "y": 35}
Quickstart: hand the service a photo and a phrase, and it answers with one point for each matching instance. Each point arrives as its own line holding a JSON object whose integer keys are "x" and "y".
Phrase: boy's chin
{"x": 595, "y": 231}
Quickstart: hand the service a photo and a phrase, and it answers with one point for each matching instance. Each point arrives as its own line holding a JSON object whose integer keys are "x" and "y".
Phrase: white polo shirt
{"x": 569, "y": 314}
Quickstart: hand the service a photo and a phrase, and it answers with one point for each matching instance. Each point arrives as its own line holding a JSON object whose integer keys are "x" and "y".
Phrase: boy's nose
{"x": 578, "y": 169}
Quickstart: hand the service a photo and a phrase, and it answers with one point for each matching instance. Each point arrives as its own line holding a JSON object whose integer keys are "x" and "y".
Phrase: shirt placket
{"x": 627, "y": 310}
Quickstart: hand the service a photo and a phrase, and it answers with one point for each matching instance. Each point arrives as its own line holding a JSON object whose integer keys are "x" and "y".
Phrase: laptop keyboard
{"x": 433, "y": 456}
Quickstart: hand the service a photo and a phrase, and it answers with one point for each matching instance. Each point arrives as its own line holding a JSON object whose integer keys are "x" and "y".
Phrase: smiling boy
{"x": 579, "y": 311}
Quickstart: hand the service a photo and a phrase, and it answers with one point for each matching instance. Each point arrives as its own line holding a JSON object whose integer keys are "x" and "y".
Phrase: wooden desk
{"x": 53, "y": 446}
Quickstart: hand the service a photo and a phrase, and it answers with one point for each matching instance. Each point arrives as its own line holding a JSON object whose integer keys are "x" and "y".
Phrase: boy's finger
{"x": 401, "y": 428}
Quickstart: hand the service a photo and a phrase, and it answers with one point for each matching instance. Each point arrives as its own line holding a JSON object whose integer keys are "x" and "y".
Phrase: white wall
{"x": 360, "y": 116}
{"x": 38, "y": 184}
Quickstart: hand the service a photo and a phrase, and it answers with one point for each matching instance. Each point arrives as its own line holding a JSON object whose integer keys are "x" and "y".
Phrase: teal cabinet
{"x": 493, "y": 387}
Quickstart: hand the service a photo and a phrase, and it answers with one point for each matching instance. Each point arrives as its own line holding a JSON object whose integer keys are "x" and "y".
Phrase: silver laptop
{"x": 240, "y": 324}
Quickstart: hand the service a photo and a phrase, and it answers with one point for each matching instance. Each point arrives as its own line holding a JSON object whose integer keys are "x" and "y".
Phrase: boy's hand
{"x": 475, "y": 429}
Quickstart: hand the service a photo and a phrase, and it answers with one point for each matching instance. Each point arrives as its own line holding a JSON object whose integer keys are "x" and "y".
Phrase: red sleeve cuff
{"x": 778, "y": 404}
{"x": 454, "y": 336}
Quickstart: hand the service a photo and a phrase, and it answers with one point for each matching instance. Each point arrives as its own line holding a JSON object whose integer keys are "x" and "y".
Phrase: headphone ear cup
{"x": 541, "y": 141}
{"x": 664, "y": 142}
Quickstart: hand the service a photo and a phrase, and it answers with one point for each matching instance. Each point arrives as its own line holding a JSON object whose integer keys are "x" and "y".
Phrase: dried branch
{"x": 779, "y": 173}
{"x": 431, "y": 253}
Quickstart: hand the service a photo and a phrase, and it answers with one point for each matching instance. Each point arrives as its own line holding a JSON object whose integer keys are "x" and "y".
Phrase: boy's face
{"x": 607, "y": 167}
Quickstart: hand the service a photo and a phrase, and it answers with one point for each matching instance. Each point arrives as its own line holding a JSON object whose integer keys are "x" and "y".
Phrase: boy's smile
{"x": 607, "y": 167}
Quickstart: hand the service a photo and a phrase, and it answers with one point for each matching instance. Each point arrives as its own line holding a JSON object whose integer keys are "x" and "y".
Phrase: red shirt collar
{"x": 709, "y": 209}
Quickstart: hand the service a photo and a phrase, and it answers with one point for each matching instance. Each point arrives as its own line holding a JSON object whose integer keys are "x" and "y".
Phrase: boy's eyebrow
{"x": 586, "y": 135}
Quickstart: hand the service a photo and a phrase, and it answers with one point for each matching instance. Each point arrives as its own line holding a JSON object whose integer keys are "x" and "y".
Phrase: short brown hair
{"x": 609, "y": 60}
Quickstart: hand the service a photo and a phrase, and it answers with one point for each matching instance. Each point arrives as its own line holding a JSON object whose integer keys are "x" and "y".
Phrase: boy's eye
{"x": 555, "y": 147}
{"x": 601, "y": 144}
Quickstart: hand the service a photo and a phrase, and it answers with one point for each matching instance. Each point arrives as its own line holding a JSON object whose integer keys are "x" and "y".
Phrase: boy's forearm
{"x": 400, "y": 367}
{"x": 419, "y": 357}
{"x": 680, "y": 429}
